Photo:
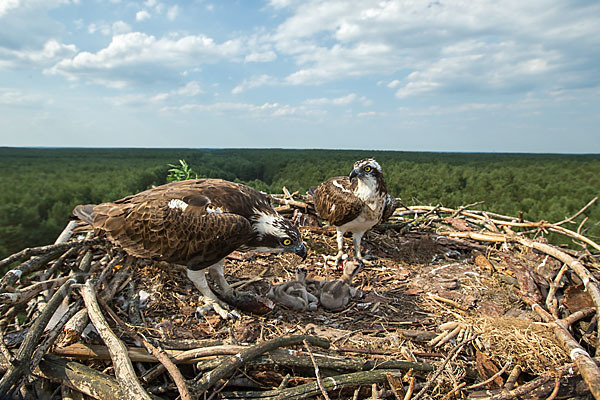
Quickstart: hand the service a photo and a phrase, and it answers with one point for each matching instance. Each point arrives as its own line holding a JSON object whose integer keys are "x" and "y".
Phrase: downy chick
{"x": 293, "y": 294}
{"x": 335, "y": 295}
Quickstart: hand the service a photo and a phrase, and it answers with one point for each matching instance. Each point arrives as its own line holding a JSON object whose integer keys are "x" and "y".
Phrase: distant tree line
{"x": 40, "y": 187}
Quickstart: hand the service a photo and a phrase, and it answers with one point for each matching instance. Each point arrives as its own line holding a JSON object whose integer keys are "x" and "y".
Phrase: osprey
{"x": 196, "y": 223}
{"x": 355, "y": 203}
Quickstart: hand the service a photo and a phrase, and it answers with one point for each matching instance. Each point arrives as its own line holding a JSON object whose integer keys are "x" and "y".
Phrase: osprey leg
{"x": 340, "y": 244}
{"x": 209, "y": 298}
{"x": 216, "y": 272}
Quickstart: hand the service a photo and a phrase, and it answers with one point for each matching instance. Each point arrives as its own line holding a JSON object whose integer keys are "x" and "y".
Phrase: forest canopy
{"x": 40, "y": 187}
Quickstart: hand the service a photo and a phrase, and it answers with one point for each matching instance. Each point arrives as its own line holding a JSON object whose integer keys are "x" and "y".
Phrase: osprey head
{"x": 367, "y": 168}
{"x": 276, "y": 233}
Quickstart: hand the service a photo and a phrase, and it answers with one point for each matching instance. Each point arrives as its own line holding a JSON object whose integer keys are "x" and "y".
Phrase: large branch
{"x": 124, "y": 371}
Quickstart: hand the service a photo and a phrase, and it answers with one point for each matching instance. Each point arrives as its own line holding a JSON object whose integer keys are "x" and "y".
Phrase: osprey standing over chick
{"x": 355, "y": 203}
{"x": 196, "y": 223}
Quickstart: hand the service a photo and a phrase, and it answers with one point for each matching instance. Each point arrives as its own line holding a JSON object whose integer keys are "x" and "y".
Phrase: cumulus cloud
{"x": 420, "y": 42}
{"x": 133, "y": 50}
{"x": 142, "y": 15}
{"x": 51, "y": 51}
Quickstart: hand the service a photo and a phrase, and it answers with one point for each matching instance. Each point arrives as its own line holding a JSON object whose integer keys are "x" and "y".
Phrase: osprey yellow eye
{"x": 286, "y": 242}
{"x": 367, "y": 168}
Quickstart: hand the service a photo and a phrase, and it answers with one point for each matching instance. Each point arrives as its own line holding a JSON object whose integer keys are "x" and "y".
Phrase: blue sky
{"x": 447, "y": 75}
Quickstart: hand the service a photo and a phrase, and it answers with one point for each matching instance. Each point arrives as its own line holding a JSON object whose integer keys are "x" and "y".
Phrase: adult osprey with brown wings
{"x": 196, "y": 223}
{"x": 355, "y": 203}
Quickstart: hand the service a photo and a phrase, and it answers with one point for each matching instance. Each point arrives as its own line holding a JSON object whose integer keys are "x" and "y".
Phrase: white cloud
{"x": 51, "y": 51}
{"x": 7, "y": 5}
{"x": 16, "y": 97}
{"x": 337, "y": 39}
{"x": 120, "y": 27}
{"x": 338, "y": 101}
{"x": 138, "y": 49}
{"x": 266, "y": 56}
{"x": 172, "y": 12}
{"x": 142, "y": 15}
{"x": 478, "y": 66}
{"x": 254, "y": 82}
{"x": 116, "y": 28}
{"x": 250, "y": 111}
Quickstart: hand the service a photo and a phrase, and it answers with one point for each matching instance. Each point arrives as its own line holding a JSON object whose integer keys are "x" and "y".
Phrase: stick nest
{"x": 446, "y": 311}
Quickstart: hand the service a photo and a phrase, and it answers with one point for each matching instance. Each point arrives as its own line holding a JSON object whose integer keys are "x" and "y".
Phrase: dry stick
{"x": 53, "y": 334}
{"x": 462, "y": 208}
{"x": 512, "y": 378}
{"x": 556, "y": 386}
{"x": 491, "y": 378}
{"x": 118, "y": 352}
{"x": 312, "y": 389}
{"x": 35, "y": 263}
{"x": 22, "y": 361}
{"x": 317, "y": 374}
{"x": 187, "y": 355}
{"x": 551, "y": 301}
{"x": 588, "y": 280}
{"x": 5, "y": 352}
{"x": 160, "y": 354}
{"x": 28, "y": 293}
{"x": 578, "y": 213}
{"x": 80, "y": 377}
{"x": 37, "y": 251}
{"x": 232, "y": 363}
{"x": 437, "y": 373}
{"x": 586, "y": 365}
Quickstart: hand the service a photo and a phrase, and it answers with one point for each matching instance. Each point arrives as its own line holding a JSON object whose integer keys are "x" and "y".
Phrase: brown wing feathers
{"x": 145, "y": 225}
{"x": 336, "y": 202}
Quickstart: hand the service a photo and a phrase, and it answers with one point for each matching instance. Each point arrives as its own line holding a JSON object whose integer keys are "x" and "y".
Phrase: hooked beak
{"x": 354, "y": 174}
{"x": 301, "y": 251}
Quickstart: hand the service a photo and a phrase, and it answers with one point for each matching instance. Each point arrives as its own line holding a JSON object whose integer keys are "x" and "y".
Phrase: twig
{"x": 229, "y": 365}
{"x": 122, "y": 364}
{"x": 23, "y": 357}
{"x": 491, "y": 378}
{"x": 587, "y": 367}
{"x": 37, "y": 251}
{"x": 462, "y": 208}
{"x": 576, "y": 214}
{"x": 5, "y": 352}
{"x": 51, "y": 337}
{"x": 512, "y": 378}
{"x": 317, "y": 374}
{"x": 411, "y": 388}
{"x": 551, "y": 301}
{"x": 453, "y": 352}
{"x": 157, "y": 352}
{"x": 556, "y": 386}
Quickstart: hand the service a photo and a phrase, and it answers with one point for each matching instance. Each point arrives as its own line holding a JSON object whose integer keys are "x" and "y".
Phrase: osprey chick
{"x": 196, "y": 223}
{"x": 354, "y": 203}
